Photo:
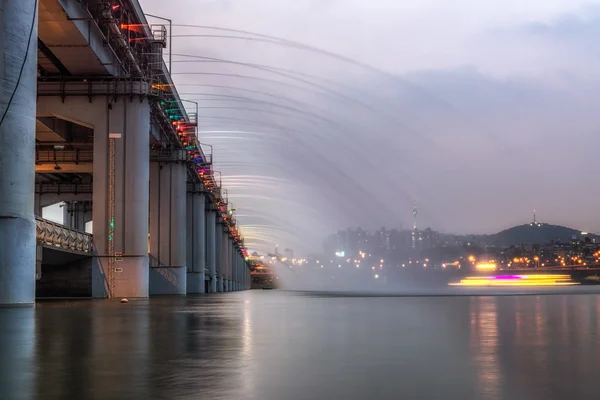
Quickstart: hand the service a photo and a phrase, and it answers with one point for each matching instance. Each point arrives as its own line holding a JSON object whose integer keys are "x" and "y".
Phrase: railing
{"x": 56, "y": 235}
{"x": 64, "y": 156}
{"x": 59, "y": 188}
{"x": 168, "y": 155}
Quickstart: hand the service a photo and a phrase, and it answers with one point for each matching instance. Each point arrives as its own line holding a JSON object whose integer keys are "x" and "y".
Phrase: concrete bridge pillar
{"x": 235, "y": 268}
{"x": 196, "y": 241}
{"x": 232, "y": 265}
{"x": 224, "y": 257}
{"x": 18, "y": 22}
{"x": 227, "y": 259}
{"x": 240, "y": 271}
{"x": 226, "y": 265}
{"x": 37, "y": 205}
{"x": 219, "y": 255}
{"x": 245, "y": 272}
{"x": 211, "y": 226}
{"x": 168, "y": 274}
{"x": 76, "y": 214}
{"x": 246, "y": 275}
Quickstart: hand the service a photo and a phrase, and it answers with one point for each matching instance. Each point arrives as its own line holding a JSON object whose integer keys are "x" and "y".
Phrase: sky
{"x": 480, "y": 110}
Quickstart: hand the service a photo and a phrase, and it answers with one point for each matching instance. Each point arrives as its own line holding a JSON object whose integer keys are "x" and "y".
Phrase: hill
{"x": 536, "y": 233}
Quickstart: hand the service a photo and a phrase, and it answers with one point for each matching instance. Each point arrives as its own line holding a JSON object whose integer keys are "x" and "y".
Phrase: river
{"x": 275, "y": 345}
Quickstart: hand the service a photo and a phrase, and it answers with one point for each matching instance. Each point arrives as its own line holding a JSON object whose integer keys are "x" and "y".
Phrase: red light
{"x": 115, "y": 8}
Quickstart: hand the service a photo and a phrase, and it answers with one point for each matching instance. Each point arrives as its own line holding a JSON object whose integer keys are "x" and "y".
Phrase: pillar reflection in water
{"x": 485, "y": 346}
{"x": 17, "y": 362}
{"x": 92, "y": 350}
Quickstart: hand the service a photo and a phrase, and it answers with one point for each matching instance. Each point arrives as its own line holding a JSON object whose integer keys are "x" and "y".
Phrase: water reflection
{"x": 274, "y": 345}
{"x": 484, "y": 346}
{"x": 17, "y": 368}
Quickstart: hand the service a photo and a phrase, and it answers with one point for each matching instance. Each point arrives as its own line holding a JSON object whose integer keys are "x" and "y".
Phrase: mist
{"x": 347, "y": 112}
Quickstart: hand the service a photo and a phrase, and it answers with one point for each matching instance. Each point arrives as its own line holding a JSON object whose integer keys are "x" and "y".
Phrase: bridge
{"x": 91, "y": 118}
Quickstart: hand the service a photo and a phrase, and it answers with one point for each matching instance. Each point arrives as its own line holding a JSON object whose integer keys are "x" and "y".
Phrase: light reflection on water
{"x": 276, "y": 345}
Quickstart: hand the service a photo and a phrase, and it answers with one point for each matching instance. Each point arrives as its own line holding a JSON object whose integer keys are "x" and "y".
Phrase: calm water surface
{"x": 267, "y": 345}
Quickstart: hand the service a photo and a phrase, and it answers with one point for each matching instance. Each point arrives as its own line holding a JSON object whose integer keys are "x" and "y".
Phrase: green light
{"x": 246, "y": 259}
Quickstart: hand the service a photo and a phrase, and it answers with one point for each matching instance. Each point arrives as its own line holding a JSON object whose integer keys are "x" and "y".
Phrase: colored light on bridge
{"x": 517, "y": 280}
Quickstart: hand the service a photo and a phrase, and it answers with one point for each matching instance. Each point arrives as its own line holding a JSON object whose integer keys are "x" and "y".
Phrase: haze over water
{"x": 271, "y": 345}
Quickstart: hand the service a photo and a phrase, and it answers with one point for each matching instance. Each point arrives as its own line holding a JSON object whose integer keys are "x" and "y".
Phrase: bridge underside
{"x": 64, "y": 274}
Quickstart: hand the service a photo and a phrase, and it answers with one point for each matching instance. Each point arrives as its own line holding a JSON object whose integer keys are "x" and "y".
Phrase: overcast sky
{"x": 481, "y": 110}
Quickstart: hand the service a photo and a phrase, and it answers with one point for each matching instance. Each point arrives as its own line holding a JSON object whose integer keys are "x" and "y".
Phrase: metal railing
{"x": 64, "y": 156}
{"x": 60, "y": 188}
{"x": 52, "y": 234}
{"x": 168, "y": 155}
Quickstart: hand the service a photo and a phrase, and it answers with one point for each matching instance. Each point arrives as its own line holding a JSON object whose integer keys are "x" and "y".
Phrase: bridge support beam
{"x": 219, "y": 255}
{"x": 168, "y": 274}
{"x": 17, "y": 149}
{"x": 211, "y": 226}
{"x": 196, "y": 242}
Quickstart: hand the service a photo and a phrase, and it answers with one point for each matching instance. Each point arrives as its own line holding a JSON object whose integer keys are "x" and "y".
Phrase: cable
{"x": 35, "y": 7}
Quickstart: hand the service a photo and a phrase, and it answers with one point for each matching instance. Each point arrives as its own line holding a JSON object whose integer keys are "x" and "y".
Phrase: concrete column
{"x": 234, "y": 268}
{"x": 226, "y": 271}
{"x": 248, "y": 276}
{"x": 168, "y": 275}
{"x": 37, "y": 205}
{"x": 76, "y": 214}
{"x": 131, "y": 118}
{"x": 231, "y": 269}
{"x": 196, "y": 242}
{"x": 243, "y": 269}
{"x": 17, "y": 148}
{"x": 211, "y": 226}
{"x": 227, "y": 258}
{"x": 240, "y": 272}
{"x": 219, "y": 255}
